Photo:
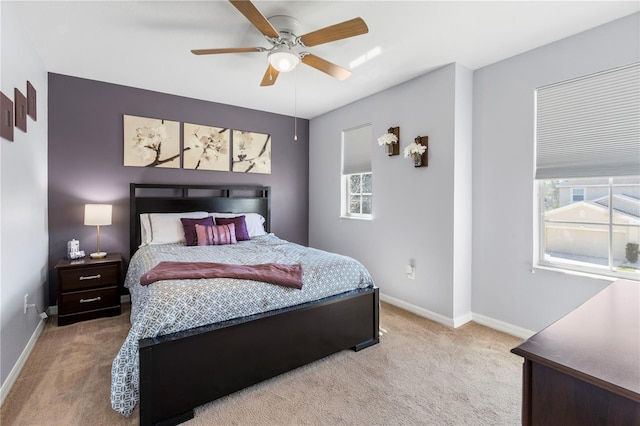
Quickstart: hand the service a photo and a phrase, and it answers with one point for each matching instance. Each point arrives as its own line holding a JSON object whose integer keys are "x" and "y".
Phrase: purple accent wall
{"x": 85, "y": 156}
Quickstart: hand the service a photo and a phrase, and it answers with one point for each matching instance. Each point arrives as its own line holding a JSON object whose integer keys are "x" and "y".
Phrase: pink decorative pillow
{"x": 241, "y": 226}
{"x": 216, "y": 235}
{"x": 189, "y": 225}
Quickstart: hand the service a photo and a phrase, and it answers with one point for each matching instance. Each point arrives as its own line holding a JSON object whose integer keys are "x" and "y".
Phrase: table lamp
{"x": 96, "y": 215}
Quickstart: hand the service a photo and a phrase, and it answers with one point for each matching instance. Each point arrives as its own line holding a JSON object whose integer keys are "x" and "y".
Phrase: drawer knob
{"x": 90, "y": 277}
{"x": 95, "y": 299}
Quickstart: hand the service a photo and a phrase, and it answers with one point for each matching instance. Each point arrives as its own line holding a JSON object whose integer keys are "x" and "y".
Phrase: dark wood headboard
{"x": 167, "y": 198}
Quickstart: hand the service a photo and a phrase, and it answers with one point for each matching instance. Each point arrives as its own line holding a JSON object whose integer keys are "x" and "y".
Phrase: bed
{"x": 263, "y": 330}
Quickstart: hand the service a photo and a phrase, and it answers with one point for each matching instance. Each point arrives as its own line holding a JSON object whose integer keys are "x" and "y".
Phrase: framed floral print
{"x": 151, "y": 142}
{"x": 251, "y": 152}
{"x": 206, "y": 148}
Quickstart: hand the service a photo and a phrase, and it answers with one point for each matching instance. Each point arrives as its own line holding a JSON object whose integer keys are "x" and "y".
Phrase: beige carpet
{"x": 421, "y": 373}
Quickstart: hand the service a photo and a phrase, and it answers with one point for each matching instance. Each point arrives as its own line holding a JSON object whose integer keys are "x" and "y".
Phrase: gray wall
{"x": 23, "y": 202}
{"x": 415, "y": 210}
{"x": 86, "y": 155}
{"x": 479, "y": 182}
{"x": 503, "y": 158}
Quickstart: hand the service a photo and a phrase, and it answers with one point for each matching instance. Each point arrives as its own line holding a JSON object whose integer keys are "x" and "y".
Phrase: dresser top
{"x": 599, "y": 342}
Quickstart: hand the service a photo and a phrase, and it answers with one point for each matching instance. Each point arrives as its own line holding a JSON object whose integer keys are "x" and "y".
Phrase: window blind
{"x": 589, "y": 126}
{"x": 356, "y": 150}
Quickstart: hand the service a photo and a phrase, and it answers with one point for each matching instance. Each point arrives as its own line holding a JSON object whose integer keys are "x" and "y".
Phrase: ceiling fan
{"x": 287, "y": 48}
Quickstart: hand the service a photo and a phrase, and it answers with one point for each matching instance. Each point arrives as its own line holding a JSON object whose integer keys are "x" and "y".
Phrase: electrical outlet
{"x": 27, "y": 304}
{"x": 410, "y": 270}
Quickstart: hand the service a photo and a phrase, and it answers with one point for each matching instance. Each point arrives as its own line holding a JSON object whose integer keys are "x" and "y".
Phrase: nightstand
{"x": 88, "y": 288}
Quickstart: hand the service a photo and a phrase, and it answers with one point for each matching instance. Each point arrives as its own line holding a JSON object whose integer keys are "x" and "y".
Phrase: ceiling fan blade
{"x": 325, "y": 66}
{"x": 255, "y": 17}
{"x": 335, "y": 32}
{"x": 229, "y": 50}
{"x": 270, "y": 76}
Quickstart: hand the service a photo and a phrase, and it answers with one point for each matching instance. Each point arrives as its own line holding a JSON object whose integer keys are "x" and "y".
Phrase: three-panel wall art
{"x": 152, "y": 142}
{"x": 14, "y": 112}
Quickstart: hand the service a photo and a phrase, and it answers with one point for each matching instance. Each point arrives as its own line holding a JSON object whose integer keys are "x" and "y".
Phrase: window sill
{"x": 368, "y": 218}
{"x": 584, "y": 274}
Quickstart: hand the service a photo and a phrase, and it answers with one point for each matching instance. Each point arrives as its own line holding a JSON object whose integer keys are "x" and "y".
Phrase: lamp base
{"x": 98, "y": 255}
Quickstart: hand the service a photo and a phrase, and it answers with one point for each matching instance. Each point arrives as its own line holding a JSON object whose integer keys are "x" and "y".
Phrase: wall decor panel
{"x": 21, "y": 110}
{"x": 206, "y": 148}
{"x": 251, "y": 152}
{"x": 32, "y": 105}
{"x": 6, "y": 126}
{"x": 151, "y": 142}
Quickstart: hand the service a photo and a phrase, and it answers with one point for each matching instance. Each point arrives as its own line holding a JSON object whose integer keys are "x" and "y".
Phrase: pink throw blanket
{"x": 273, "y": 273}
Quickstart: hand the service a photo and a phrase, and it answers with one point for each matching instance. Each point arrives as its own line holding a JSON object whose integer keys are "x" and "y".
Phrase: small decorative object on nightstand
{"x": 89, "y": 288}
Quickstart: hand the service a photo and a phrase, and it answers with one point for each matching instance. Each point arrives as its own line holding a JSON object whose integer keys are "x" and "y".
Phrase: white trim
{"x": 417, "y": 310}
{"x": 564, "y": 269}
{"x": 505, "y": 327}
{"x": 15, "y": 371}
{"x": 462, "y": 319}
{"x": 486, "y": 321}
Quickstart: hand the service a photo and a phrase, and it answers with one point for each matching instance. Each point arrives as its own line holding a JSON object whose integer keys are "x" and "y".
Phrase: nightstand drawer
{"x": 85, "y": 278}
{"x": 89, "y": 300}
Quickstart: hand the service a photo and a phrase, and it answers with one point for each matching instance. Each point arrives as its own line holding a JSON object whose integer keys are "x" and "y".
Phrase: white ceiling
{"x": 147, "y": 44}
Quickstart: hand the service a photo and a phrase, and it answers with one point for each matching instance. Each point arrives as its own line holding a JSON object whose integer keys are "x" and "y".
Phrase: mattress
{"x": 169, "y": 306}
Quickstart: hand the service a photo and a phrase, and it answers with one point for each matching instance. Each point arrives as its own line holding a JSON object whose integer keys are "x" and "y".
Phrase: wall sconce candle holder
{"x": 391, "y": 141}
{"x": 417, "y": 151}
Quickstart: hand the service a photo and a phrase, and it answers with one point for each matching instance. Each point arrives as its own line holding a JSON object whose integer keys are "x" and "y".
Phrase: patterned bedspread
{"x": 174, "y": 305}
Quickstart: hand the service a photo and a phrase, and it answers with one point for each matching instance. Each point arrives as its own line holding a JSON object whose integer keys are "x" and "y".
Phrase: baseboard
{"x": 53, "y": 310}
{"x": 495, "y": 324}
{"x": 462, "y": 320}
{"x": 417, "y": 310}
{"x": 505, "y": 327}
{"x": 15, "y": 371}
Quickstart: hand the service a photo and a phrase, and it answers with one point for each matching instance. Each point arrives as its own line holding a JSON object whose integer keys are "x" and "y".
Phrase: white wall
{"x": 503, "y": 157}
{"x": 23, "y": 200}
{"x": 413, "y": 208}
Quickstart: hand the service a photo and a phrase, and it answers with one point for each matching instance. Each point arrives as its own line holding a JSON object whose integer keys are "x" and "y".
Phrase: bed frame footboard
{"x": 183, "y": 370}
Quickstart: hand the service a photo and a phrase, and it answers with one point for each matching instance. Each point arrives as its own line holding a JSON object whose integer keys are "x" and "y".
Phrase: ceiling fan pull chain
{"x": 295, "y": 104}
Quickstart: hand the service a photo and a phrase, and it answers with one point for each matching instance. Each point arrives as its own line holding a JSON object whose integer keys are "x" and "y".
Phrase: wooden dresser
{"x": 88, "y": 288}
{"x": 584, "y": 369}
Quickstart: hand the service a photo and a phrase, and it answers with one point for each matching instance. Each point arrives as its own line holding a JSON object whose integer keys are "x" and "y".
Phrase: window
{"x": 357, "y": 193}
{"x": 599, "y": 234}
{"x": 587, "y": 166}
{"x": 577, "y": 194}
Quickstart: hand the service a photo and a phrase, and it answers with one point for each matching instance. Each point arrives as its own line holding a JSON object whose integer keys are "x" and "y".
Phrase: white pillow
{"x": 145, "y": 229}
{"x": 166, "y": 228}
{"x": 254, "y": 221}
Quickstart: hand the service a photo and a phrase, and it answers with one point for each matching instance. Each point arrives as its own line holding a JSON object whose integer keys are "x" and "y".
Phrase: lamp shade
{"x": 283, "y": 59}
{"x": 97, "y": 214}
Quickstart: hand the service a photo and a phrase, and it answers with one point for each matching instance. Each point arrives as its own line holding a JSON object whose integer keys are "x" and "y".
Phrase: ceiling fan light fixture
{"x": 283, "y": 59}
